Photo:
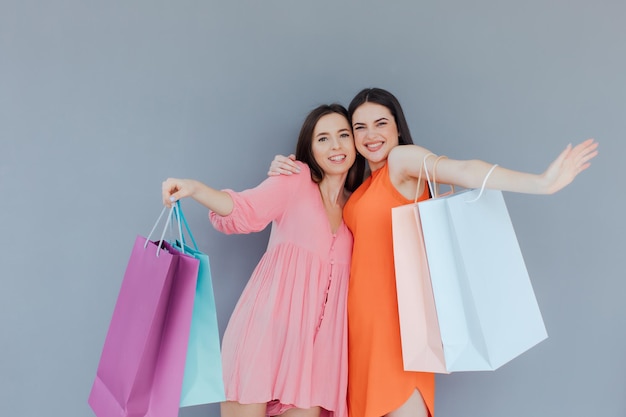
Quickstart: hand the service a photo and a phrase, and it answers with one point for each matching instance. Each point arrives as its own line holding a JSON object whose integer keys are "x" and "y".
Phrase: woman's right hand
{"x": 283, "y": 165}
{"x": 174, "y": 189}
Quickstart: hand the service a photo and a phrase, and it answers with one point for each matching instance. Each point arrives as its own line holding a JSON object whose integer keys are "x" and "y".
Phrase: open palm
{"x": 571, "y": 162}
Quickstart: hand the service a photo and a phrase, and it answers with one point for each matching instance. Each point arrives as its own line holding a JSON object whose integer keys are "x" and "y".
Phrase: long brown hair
{"x": 304, "y": 147}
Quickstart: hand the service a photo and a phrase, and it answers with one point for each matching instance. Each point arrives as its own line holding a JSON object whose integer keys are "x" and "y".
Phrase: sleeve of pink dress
{"x": 255, "y": 208}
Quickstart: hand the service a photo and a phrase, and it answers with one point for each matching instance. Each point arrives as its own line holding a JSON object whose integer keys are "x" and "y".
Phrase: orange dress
{"x": 377, "y": 381}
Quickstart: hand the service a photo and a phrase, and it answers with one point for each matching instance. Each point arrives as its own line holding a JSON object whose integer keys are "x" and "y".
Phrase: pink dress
{"x": 286, "y": 341}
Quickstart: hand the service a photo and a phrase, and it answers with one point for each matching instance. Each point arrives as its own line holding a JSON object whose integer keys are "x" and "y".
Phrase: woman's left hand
{"x": 571, "y": 162}
{"x": 283, "y": 165}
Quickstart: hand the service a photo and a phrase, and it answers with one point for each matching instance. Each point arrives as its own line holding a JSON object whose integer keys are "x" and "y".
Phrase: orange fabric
{"x": 377, "y": 381}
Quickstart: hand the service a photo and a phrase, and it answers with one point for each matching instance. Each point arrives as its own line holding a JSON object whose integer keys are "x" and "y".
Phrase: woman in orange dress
{"x": 377, "y": 382}
{"x": 378, "y": 385}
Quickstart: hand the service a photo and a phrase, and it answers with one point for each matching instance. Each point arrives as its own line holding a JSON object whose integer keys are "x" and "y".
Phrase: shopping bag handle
{"x": 419, "y": 178}
{"x": 183, "y": 220}
{"x": 482, "y": 187}
{"x": 167, "y": 223}
{"x": 433, "y": 186}
{"x": 436, "y": 184}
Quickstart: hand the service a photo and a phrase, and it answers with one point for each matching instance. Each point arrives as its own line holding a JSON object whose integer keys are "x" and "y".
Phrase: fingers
{"x": 283, "y": 165}
{"x": 571, "y": 162}
{"x": 588, "y": 142}
{"x": 171, "y": 191}
{"x": 583, "y": 163}
{"x": 276, "y": 170}
{"x": 586, "y": 147}
{"x": 167, "y": 189}
{"x": 585, "y": 152}
{"x": 287, "y": 162}
{"x": 581, "y": 153}
{"x": 173, "y": 199}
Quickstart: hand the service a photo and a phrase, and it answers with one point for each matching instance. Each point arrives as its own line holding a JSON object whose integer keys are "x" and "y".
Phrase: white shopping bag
{"x": 486, "y": 307}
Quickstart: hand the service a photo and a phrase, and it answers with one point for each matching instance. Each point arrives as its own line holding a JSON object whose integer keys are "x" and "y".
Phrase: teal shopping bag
{"x": 203, "y": 381}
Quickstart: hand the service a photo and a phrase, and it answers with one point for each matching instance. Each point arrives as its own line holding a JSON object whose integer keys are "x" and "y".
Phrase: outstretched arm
{"x": 572, "y": 161}
{"x": 174, "y": 189}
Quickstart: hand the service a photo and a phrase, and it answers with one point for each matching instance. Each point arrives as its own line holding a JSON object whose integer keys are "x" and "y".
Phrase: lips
{"x": 375, "y": 146}
{"x": 337, "y": 158}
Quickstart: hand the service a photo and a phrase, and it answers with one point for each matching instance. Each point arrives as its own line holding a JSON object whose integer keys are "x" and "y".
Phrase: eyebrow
{"x": 375, "y": 121}
{"x": 326, "y": 133}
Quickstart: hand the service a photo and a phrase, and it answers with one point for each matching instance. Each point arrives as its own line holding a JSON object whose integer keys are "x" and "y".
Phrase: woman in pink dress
{"x": 285, "y": 347}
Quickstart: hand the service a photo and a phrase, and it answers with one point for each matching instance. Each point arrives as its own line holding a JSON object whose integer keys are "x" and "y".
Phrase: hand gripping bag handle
{"x": 167, "y": 223}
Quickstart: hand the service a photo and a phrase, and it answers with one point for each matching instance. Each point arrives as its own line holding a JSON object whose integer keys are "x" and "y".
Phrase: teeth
{"x": 337, "y": 158}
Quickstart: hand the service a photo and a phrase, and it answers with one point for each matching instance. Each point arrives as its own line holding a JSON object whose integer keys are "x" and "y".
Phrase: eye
{"x": 345, "y": 135}
{"x": 382, "y": 123}
{"x": 322, "y": 139}
{"x": 359, "y": 127}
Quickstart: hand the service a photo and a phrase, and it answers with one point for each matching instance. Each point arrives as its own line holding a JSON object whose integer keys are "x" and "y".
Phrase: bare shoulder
{"x": 406, "y": 160}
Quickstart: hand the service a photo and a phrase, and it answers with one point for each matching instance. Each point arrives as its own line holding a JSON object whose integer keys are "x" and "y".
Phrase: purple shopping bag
{"x": 143, "y": 359}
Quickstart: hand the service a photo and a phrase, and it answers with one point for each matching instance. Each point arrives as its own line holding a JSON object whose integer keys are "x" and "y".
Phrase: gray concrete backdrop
{"x": 102, "y": 100}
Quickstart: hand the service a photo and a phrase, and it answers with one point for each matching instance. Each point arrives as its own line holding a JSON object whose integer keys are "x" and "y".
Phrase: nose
{"x": 335, "y": 143}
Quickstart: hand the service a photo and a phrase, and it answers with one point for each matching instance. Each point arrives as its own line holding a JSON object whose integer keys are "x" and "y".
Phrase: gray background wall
{"x": 100, "y": 101}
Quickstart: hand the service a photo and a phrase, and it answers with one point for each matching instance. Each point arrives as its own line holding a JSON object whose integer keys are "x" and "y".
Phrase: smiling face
{"x": 375, "y": 133}
{"x": 333, "y": 145}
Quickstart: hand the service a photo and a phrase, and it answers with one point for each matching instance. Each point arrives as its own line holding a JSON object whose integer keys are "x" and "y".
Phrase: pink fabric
{"x": 286, "y": 342}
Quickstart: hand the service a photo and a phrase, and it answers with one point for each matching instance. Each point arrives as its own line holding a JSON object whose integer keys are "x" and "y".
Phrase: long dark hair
{"x": 384, "y": 98}
{"x": 304, "y": 147}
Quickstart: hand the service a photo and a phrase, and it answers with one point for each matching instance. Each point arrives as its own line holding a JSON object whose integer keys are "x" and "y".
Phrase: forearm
{"x": 217, "y": 201}
{"x": 409, "y": 160}
{"x": 472, "y": 173}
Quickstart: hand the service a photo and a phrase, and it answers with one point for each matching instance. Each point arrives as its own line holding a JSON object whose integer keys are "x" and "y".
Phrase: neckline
{"x": 329, "y": 225}
{"x": 378, "y": 171}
